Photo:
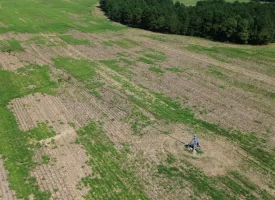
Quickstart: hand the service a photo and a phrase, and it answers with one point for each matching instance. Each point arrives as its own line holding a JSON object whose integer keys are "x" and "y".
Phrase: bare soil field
{"x": 5, "y": 192}
{"x": 108, "y": 114}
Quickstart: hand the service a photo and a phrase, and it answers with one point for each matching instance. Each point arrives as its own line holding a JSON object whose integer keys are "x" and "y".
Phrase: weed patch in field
{"x": 108, "y": 177}
{"x": 215, "y": 71}
{"x": 10, "y": 46}
{"x": 120, "y": 66}
{"x": 127, "y": 62}
{"x": 16, "y": 146}
{"x": 107, "y": 44}
{"x": 158, "y": 57}
{"x": 145, "y": 60}
{"x": 232, "y": 186}
{"x": 123, "y": 54}
{"x": 153, "y": 54}
{"x": 138, "y": 121}
{"x": 189, "y": 175}
{"x": 83, "y": 70}
{"x": 262, "y": 53}
{"x": 46, "y": 159}
{"x": 156, "y": 69}
{"x": 74, "y": 41}
{"x": 125, "y": 43}
{"x": 112, "y": 64}
{"x": 253, "y": 88}
{"x": 42, "y": 131}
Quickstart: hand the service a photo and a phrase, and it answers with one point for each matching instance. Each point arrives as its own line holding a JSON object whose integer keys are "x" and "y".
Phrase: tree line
{"x": 268, "y": 0}
{"x": 252, "y": 23}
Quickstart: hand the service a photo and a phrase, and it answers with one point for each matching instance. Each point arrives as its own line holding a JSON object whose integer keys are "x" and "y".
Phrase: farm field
{"x": 91, "y": 109}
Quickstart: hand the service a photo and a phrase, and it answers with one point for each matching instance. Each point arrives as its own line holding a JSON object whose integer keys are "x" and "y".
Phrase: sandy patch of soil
{"x": 38, "y": 108}
{"x": 66, "y": 167}
{"x": 9, "y": 62}
{"x": 219, "y": 155}
{"x": 67, "y": 159}
{"x": 5, "y": 192}
{"x": 46, "y": 54}
{"x": 230, "y": 107}
{"x": 98, "y": 53}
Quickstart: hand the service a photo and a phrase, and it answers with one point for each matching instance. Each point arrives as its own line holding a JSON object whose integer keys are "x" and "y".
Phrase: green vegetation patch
{"x": 123, "y": 54}
{"x": 232, "y": 186}
{"x": 202, "y": 185}
{"x": 113, "y": 64}
{"x": 153, "y": 54}
{"x": 138, "y": 120}
{"x": 42, "y": 131}
{"x": 52, "y": 16}
{"x": 145, "y": 60}
{"x": 10, "y": 46}
{"x": 83, "y": 70}
{"x": 74, "y": 41}
{"x": 218, "y": 52}
{"x": 120, "y": 66}
{"x": 156, "y": 69}
{"x": 46, "y": 159}
{"x": 125, "y": 43}
{"x": 253, "y": 88}
{"x": 108, "y": 177}
{"x": 127, "y": 62}
{"x": 216, "y": 72}
{"x": 156, "y": 56}
{"x": 16, "y": 146}
{"x": 107, "y": 44}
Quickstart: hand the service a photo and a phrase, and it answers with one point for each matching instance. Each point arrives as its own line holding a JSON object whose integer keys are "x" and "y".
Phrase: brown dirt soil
{"x": 38, "y": 108}
{"x": 66, "y": 167}
{"x": 231, "y": 107}
{"x": 219, "y": 155}
{"x": 5, "y": 192}
{"x": 9, "y": 61}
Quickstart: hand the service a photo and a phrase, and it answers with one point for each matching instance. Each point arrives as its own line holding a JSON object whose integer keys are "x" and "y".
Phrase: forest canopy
{"x": 252, "y": 23}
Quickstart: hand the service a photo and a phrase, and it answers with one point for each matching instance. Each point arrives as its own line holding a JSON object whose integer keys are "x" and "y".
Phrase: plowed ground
{"x": 124, "y": 104}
